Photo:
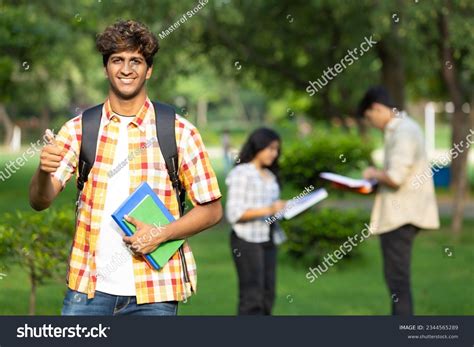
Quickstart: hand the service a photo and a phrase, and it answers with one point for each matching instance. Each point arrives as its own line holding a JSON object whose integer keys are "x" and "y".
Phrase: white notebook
{"x": 346, "y": 181}
{"x": 295, "y": 207}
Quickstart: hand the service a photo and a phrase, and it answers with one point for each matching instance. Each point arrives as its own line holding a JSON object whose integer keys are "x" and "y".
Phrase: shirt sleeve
{"x": 237, "y": 183}
{"x": 196, "y": 172}
{"x": 67, "y": 141}
{"x": 401, "y": 156}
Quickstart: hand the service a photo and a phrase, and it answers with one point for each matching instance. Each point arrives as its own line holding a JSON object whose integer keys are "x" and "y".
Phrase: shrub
{"x": 342, "y": 153}
{"x": 311, "y": 236}
{"x": 37, "y": 242}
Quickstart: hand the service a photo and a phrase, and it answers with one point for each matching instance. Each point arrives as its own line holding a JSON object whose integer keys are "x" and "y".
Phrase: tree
{"x": 38, "y": 243}
{"x": 274, "y": 46}
{"x": 459, "y": 93}
{"x": 444, "y": 72}
{"x": 46, "y": 62}
{"x": 424, "y": 49}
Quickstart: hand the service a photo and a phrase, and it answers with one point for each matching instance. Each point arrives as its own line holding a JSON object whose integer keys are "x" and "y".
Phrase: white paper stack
{"x": 347, "y": 181}
{"x": 296, "y": 207}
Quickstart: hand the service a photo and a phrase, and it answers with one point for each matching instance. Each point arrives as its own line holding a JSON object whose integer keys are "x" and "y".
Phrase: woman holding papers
{"x": 253, "y": 196}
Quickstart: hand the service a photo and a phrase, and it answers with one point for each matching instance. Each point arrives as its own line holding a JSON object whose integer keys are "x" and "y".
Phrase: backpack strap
{"x": 165, "y": 119}
{"x": 90, "y": 131}
{"x": 165, "y": 130}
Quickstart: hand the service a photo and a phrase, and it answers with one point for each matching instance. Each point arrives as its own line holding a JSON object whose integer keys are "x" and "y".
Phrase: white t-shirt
{"x": 113, "y": 259}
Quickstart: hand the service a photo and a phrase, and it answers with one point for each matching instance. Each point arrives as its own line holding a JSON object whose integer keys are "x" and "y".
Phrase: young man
{"x": 106, "y": 273}
{"x": 402, "y": 206}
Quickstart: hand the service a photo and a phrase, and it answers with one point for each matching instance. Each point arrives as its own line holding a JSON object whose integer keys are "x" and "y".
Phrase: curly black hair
{"x": 127, "y": 35}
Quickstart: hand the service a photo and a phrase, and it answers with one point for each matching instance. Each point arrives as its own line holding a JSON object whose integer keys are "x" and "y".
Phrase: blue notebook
{"x": 144, "y": 205}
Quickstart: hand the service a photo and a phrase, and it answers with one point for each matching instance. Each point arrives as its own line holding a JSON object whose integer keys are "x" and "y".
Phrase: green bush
{"x": 311, "y": 235}
{"x": 39, "y": 242}
{"x": 335, "y": 151}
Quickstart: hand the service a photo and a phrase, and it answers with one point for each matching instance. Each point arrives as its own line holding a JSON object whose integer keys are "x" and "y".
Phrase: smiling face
{"x": 127, "y": 73}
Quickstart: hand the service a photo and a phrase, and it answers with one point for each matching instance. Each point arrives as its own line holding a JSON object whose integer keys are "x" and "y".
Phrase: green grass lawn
{"x": 442, "y": 285}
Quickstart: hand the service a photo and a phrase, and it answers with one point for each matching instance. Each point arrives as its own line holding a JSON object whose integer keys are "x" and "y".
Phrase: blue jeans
{"x": 76, "y": 304}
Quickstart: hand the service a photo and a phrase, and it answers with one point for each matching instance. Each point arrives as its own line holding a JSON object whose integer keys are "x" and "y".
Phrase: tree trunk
{"x": 44, "y": 119}
{"x": 202, "y": 112}
{"x": 236, "y": 102}
{"x": 460, "y": 122}
{"x": 393, "y": 67}
{"x": 32, "y": 307}
{"x": 390, "y": 52}
{"x": 6, "y": 121}
{"x": 459, "y": 183}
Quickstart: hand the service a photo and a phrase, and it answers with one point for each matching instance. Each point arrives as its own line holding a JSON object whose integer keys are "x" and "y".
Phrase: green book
{"x": 145, "y": 206}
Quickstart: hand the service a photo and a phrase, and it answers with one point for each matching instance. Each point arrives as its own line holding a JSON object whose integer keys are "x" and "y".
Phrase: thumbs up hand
{"x": 51, "y": 155}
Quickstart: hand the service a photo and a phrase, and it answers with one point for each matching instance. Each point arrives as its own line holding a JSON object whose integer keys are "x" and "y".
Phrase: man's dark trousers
{"x": 396, "y": 249}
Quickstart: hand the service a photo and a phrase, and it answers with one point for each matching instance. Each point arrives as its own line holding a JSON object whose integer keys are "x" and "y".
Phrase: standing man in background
{"x": 402, "y": 206}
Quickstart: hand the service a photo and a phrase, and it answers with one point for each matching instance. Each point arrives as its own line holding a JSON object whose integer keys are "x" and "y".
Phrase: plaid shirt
{"x": 247, "y": 189}
{"x": 146, "y": 165}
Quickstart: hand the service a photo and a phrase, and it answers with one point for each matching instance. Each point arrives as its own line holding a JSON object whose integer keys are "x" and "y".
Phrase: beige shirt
{"x": 406, "y": 163}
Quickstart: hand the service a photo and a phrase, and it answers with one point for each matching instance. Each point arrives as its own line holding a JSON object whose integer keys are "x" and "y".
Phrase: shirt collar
{"x": 137, "y": 120}
{"x": 394, "y": 122}
{"x": 255, "y": 169}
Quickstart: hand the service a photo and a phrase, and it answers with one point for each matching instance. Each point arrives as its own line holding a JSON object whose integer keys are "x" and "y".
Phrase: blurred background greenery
{"x": 235, "y": 66}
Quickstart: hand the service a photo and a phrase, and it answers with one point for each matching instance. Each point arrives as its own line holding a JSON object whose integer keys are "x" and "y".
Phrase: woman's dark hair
{"x": 258, "y": 140}
{"x": 127, "y": 35}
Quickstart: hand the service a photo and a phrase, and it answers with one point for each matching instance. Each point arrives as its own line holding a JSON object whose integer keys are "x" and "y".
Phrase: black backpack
{"x": 166, "y": 139}
{"x": 165, "y": 116}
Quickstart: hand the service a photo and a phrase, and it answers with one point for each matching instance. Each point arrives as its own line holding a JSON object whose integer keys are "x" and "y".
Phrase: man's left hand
{"x": 146, "y": 238}
{"x": 371, "y": 173}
